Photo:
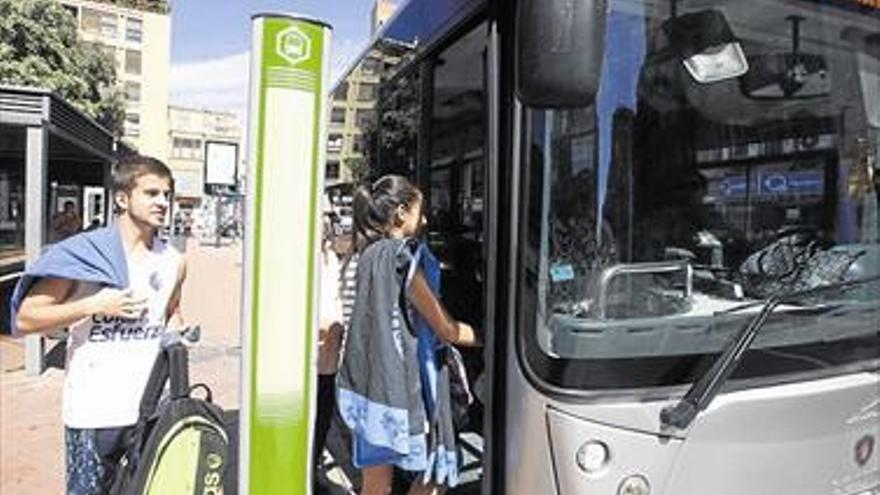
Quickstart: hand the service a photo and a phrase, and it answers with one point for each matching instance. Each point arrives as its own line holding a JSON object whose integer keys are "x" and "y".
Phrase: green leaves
{"x": 40, "y": 47}
{"x": 359, "y": 167}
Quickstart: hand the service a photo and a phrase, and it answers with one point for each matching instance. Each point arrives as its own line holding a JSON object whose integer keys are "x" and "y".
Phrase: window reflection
{"x": 677, "y": 194}
{"x": 455, "y": 171}
{"x": 399, "y": 125}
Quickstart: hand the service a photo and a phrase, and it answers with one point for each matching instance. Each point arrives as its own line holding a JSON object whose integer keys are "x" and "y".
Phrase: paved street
{"x": 32, "y": 449}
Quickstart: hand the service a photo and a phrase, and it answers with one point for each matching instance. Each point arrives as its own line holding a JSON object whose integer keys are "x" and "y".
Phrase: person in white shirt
{"x": 114, "y": 333}
{"x": 329, "y": 340}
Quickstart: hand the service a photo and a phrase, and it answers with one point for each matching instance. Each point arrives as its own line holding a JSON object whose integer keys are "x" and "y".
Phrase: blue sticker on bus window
{"x": 561, "y": 272}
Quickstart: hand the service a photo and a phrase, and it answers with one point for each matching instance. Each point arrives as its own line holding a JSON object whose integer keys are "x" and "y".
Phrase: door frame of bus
{"x": 495, "y": 342}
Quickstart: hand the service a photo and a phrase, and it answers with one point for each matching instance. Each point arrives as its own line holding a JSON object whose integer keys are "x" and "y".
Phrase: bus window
{"x": 453, "y": 180}
{"x": 681, "y": 193}
{"x": 455, "y": 172}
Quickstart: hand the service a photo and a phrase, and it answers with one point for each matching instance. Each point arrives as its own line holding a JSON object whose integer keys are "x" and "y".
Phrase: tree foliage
{"x": 40, "y": 47}
{"x": 359, "y": 167}
{"x": 396, "y": 143}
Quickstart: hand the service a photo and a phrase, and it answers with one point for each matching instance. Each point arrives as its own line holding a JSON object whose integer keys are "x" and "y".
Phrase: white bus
{"x": 663, "y": 216}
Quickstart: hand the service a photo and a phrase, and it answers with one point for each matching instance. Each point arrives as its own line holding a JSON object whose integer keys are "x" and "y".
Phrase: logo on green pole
{"x": 293, "y": 45}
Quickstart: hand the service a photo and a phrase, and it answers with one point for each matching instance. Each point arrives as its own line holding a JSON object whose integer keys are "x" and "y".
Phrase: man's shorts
{"x": 91, "y": 457}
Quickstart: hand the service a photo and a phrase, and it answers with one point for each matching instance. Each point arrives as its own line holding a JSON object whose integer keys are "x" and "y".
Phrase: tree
{"x": 40, "y": 47}
{"x": 396, "y": 143}
{"x": 359, "y": 167}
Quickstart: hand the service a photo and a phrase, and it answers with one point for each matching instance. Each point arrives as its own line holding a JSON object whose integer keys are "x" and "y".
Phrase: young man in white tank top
{"x": 114, "y": 333}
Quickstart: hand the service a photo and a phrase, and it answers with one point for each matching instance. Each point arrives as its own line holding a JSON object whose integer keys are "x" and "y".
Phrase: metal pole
{"x": 217, "y": 226}
{"x": 36, "y": 171}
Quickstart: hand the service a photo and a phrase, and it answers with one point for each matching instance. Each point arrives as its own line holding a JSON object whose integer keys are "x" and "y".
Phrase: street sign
{"x": 221, "y": 165}
{"x": 288, "y": 83}
{"x": 791, "y": 183}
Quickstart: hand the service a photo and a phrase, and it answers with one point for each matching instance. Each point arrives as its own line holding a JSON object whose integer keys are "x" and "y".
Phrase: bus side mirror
{"x": 560, "y": 45}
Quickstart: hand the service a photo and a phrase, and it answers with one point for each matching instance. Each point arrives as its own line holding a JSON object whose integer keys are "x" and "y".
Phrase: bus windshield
{"x": 729, "y": 156}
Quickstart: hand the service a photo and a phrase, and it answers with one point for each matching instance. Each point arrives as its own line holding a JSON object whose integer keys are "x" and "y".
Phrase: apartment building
{"x": 139, "y": 39}
{"x": 353, "y": 105}
{"x": 189, "y": 131}
{"x": 382, "y": 11}
{"x": 352, "y": 111}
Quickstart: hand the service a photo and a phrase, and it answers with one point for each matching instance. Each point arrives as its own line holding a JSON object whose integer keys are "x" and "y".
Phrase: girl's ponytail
{"x": 364, "y": 231}
{"x": 374, "y": 207}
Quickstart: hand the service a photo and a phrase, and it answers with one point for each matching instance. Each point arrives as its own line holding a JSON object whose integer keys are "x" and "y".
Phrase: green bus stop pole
{"x": 288, "y": 85}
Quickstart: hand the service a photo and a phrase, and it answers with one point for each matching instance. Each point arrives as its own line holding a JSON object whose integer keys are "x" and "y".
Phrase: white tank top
{"x": 109, "y": 358}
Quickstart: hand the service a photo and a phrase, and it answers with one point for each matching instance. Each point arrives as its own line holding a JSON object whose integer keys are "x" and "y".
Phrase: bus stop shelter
{"x": 46, "y": 146}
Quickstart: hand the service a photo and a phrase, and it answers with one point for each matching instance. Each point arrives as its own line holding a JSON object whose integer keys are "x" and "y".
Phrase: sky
{"x": 210, "y": 40}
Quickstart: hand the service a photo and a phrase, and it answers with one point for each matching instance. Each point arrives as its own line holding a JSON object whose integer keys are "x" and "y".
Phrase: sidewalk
{"x": 31, "y": 432}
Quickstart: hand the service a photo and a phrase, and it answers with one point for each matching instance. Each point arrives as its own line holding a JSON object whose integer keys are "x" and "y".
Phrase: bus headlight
{"x": 635, "y": 484}
{"x": 592, "y": 457}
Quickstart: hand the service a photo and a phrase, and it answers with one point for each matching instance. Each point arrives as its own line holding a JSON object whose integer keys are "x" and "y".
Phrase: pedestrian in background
{"x": 336, "y": 473}
{"x": 329, "y": 332}
{"x": 67, "y": 222}
{"x": 379, "y": 388}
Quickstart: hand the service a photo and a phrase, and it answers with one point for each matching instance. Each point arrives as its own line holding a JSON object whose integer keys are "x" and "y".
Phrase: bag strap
{"x": 135, "y": 438}
{"x": 178, "y": 359}
{"x": 209, "y": 397}
{"x": 155, "y": 384}
{"x": 401, "y": 299}
{"x": 171, "y": 363}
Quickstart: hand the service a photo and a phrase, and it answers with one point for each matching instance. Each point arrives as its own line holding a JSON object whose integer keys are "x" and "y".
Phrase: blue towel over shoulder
{"x": 441, "y": 464}
{"x": 96, "y": 256}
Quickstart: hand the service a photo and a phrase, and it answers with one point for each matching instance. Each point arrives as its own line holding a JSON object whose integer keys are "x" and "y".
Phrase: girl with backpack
{"x": 381, "y": 390}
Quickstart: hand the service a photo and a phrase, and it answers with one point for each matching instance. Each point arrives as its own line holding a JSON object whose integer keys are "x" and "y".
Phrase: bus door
{"x": 433, "y": 118}
{"x": 453, "y": 177}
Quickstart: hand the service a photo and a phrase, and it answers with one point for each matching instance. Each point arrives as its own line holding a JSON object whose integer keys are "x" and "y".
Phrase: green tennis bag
{"x": 179, "y": 447}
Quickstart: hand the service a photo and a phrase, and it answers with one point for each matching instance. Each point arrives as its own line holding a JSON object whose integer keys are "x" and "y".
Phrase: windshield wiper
{"x": 707, "y": 386}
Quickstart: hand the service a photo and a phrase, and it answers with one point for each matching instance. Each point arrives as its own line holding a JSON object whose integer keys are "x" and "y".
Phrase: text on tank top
{"x": 109, "y": 358}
